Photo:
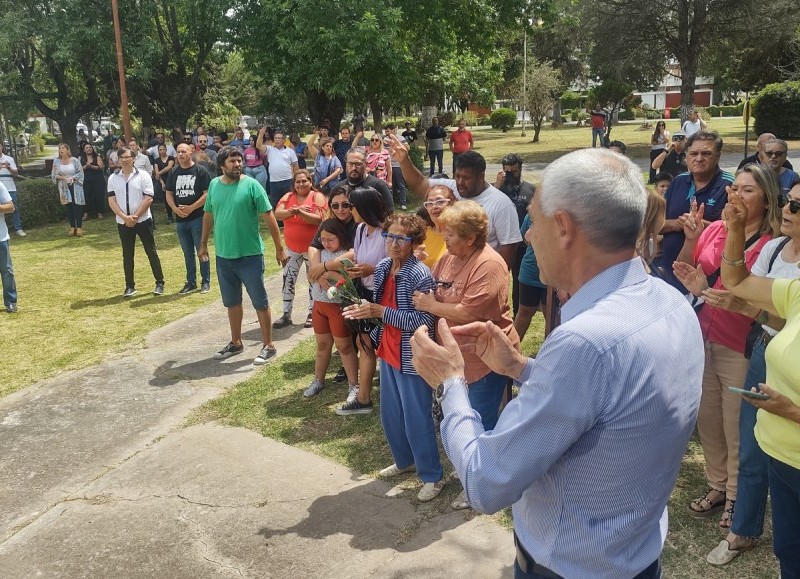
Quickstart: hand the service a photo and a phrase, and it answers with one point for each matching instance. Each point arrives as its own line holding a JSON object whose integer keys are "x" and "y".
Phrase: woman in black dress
{"x": 94, "y": 184}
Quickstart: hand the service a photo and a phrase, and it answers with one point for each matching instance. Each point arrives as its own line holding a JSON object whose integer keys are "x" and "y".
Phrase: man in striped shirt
{"x": 589, "y": 451}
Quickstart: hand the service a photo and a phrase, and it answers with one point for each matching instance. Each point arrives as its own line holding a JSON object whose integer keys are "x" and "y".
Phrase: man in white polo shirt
{"x": 282, "y": 165}
{"x": 130, "y": 194}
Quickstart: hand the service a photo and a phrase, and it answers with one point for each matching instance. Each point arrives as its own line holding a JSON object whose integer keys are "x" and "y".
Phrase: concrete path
{"x": 98, "y": 478}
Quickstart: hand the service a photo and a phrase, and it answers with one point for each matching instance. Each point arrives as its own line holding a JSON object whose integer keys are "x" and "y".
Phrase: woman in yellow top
{"x": 778, "y": 419}
{"x": 438, "y": 198}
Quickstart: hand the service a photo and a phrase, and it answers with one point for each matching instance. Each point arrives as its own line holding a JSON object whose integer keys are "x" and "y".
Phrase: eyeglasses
{"x": 356, "y": 163}
{"x": 343, "y": 205}
{"x": 794, "y": 204}
{"x": 678, "y": 138}
{"x": 125, "y": 157}
{"x": 401, "y": 240}
{"x": 436, "y": 203}
{"x": 443, "y": 284}
{"x": 775, "y": 153}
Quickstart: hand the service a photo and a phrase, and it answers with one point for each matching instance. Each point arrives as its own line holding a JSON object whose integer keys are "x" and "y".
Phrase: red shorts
{"x": 327, "y": 319}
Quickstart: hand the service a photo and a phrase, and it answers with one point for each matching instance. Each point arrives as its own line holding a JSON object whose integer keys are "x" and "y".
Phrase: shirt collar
{"x": 616, "y": 277}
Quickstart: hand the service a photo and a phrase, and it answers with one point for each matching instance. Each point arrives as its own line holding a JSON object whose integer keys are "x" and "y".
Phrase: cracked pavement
{"x": 98, "y": 478}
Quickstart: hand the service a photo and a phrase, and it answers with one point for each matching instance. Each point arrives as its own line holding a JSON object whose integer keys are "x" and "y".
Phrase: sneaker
{"x": 11, "y": 308}
{"x": 341, "y": 376}
{"x": 205, "y": 287}
{"x": 314, "y": 389}
{"x": 352, "y": 393}
{"x": 403, "y": 207}
{"x": 159, "y": 289}
{"x": 282, "y": 322}
{"x": 21, "y": 233}
{"x": 354, "y": 407}
{"x": 129, "y": 292}
{"x": 430, "y": 491}
{"x": 267, "y": 353}
{"x": 395, "y": 470}
{"x": 230, "y": 350}
{"x": 460, "y": 503}
{"x": 187, "y": 289}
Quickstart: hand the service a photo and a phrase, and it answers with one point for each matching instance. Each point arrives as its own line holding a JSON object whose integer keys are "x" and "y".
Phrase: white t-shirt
{"x": 690, "y": 128}
{"x": 130, "y": 191}
{"x": 5, "y": 174}
{"x": 780, "y": 269}
{"x": 280, "y": 163}
{"x": 503, "y": 220}
{"x": 5, "y": 197}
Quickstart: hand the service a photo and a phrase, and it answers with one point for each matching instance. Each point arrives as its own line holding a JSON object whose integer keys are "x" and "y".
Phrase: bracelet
{"x": 734, "y": 263}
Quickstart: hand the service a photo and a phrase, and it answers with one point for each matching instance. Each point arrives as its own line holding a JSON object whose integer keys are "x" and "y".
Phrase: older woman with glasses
{"x": 437, "y": 199}
{"x": 472, "y": 286}
{"x": 405, "y": 397}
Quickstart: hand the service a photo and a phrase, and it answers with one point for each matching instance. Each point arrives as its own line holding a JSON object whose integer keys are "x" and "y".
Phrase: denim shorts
{"x": 247, "y": 271}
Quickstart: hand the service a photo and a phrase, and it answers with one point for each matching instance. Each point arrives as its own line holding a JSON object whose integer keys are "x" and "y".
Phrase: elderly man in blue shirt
{"x": 589, "y": 451}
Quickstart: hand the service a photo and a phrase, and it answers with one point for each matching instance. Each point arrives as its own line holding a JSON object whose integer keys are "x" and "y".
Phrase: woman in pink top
{"x": 379, "y": 163}
{"x": 725, "y": 322}
{"x": 254, "y": 163}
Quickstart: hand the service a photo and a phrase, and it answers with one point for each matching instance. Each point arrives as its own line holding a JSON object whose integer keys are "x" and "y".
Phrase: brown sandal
{"x": 727, "y": 515}
{"x": 704, "y": 507}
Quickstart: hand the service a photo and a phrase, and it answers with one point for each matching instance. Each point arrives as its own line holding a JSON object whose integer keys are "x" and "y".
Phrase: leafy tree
{"x": 470, "y": 78}
{"x": 541, "y": 93}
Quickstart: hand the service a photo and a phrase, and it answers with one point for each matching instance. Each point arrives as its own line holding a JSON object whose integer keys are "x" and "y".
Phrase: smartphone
{"x": 346, "y": 263}
{"x": 749, "y": 393}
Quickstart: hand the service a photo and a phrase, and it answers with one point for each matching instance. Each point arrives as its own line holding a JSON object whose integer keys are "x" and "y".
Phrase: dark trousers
{"x": 74, "y": 215}
{"x": 784, "y": 488}
{"x": 434, "y": 157}
{"x": 653, "y": 155}
{"x": 94, "y": 190}
{"x": 127, "y": 235}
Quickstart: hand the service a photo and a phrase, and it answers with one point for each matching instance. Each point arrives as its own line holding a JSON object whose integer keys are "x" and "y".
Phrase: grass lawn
{"x": 553, "y": 143}
{"x": 271, "y": 403}
{"x": 71, "y": 311}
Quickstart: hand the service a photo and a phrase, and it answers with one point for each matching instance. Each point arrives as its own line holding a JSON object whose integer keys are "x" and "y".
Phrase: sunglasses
{"x": 678, "y": 138}
{"x": 775, "y": 153}
{"x": 342, "y": 205}
{"x": 401, "y": 240}
{"x": 437, "y": 203}
{"x": 794, "y": 204}
{"x": 375, "y": 140}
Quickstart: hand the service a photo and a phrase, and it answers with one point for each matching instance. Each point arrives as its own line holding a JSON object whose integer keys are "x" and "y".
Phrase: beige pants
{"x": 718, "y": 417}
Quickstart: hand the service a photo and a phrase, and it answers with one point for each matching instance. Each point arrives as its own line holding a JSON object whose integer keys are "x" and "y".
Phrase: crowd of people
{"x": 697, "y": 272}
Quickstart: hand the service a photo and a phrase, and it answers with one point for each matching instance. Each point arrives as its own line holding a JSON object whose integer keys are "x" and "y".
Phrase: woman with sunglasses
{"x": 472, "y": 286}
{"x": 778, "y": 416}
{"x": 437, "y": 199}
{"x": 659, "y": 141}
{"x": 379, "y": 163}
{"x": 405, "y": 397}
{"x": 327, "y": 166}
{"x": 725, "y": 321}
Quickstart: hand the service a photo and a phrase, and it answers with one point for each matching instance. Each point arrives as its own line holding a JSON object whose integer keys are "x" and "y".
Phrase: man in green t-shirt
{"x": 232, "y": 209}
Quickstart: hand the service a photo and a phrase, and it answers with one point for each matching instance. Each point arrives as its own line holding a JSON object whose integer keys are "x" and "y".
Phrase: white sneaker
{"x": 314, "y": 389}
{"x": 395, "y": 470}
{"x": 21, "y": 233}
{"x": 430, "y": 491}
{"x": 352, "y": 393}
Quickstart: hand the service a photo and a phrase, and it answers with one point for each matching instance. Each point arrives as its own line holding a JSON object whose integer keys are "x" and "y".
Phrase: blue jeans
{"x": 399, "y": 184}
{"x": 598, "y": 133}
{"x": 485, "y": 395}
{"x": 7, "y": 274}
{"x": 784, "y": 487}
{"x": 751, "y": 493}
{"x": 15, "y": 218}
{"x": 435, "y": 156}
{"x": 257, "y": 173}
{"x": 408, "y": 424}
{"x": 189, "y": 234}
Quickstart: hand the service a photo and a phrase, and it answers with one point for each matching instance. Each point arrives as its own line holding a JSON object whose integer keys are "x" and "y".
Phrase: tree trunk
{"x": 377, "y": 112}
{"x": 69, "y": 131}
{"x": 321, "y": 106}
{"x": 462, "y": 105}
{"x": 429, "y": 109}
{"x": 688, "y": 76}
{"x": 557, "y": 111}
{"x": 537, "y": 126}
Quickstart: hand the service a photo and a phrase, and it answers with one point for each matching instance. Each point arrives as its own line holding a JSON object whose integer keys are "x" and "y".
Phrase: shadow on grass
{"x": 109, "y": 301}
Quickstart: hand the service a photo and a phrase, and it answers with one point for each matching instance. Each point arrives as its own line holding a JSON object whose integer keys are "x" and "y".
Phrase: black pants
{"x": 127, "y": 236}
{"x": 94, "y": 190}
{"x": 515, "y": 267}
{"x": 434, "y": 157}
{"x": 653, "y": 155}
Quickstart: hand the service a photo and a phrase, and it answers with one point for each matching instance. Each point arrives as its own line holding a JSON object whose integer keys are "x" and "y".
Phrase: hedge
{"x": 777, "y": 110}
{"x": 38, "y": 202}
{"x": 503, "y": 119}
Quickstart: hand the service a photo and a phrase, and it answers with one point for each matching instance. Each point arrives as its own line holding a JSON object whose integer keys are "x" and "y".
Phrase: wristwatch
{"x": 444, "y": 387}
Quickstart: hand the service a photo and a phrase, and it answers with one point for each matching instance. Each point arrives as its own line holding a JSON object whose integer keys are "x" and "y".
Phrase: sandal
{"x": 705, "y": 507}
{"x": 309, "y": 322}
{"x": 727, "y": 515}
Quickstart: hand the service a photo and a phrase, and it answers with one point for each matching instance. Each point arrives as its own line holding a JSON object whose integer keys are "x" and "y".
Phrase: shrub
{"x": 626, "y": 115}
{"x": 447, "y": 118}
{"x": 50, "y": 139}
{"x": 504, "y": 119}
{"x": 777, "y": 110}
{"x": 471, "y": 118}
{"x": 417, "y": 156}
{"x": 485, "y": 121}
{"x": 38, "y": 201}
{"x": 570, "y": 100}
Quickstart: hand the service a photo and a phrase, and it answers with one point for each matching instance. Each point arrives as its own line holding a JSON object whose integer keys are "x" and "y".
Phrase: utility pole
{"x": 123, "y": 91}
{"x": 524, "y": 78}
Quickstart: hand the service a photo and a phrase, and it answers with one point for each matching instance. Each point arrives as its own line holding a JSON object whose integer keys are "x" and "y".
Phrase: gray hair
{"x": 602, "y": 191}
{"x": 779, "y": 142}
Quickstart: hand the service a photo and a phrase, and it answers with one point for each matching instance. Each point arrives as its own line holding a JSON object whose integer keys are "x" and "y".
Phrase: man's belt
{"x": 528, "y": 564}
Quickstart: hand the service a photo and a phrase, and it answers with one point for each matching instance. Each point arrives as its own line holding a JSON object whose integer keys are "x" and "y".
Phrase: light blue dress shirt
{"x": 589, "y": 451}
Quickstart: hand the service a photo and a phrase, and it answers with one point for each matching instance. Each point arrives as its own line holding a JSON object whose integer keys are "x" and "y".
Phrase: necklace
{"x": 448, "y": 284}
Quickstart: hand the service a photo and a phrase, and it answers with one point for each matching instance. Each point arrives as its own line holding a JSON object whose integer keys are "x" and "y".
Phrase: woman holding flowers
{"x": 405, "y": 398}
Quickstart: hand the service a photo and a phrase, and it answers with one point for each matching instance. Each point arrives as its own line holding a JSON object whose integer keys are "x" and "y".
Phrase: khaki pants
{"x": 718, "y": 417}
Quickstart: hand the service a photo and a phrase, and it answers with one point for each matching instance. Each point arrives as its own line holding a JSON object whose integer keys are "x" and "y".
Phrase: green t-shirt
{"x": 236, "y": 209}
